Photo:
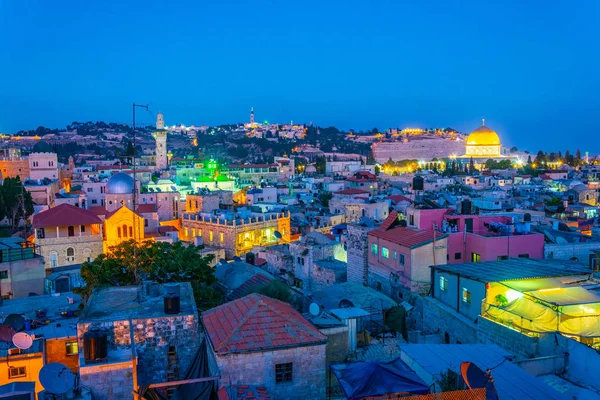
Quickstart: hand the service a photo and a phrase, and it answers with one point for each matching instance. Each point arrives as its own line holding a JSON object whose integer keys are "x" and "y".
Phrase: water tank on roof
{"x": 466, "y": 207}
{"x": 172, "y": 298}
{"x": 95, "y": 345}
{"x": 418, "y": 183}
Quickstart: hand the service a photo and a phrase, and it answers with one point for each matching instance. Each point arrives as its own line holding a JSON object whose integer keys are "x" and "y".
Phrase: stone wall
{"x": 56, "y": 351}
{"x": 439, "y": 318}
{"x": 87, "y": 246}
{"x": 338, "y": 345}
{"x": 109, "y": 381}
{"x": 308, "y": 371}
{"x": 153, "y": 337}
{"x": 566, "y": 251}
{"x": 509, "y": 339}
{"x": 24, "y": 277}
{"x": 358, "y": 250}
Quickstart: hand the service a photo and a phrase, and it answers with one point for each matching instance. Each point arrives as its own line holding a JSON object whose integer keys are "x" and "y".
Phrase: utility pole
{"x": 133, "y": 201}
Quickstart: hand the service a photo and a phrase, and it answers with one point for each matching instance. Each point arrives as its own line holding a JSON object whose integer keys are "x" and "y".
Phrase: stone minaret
{"x": 161, "y": 143}
{"x": 252, "y": 115}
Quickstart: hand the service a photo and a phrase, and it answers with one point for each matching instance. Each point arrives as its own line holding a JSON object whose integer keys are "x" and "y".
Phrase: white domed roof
{"x": 120, "y": 183}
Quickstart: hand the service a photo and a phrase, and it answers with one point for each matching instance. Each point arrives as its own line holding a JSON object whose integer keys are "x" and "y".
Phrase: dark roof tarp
{"x": 364, "y": 379}
{"x": 206, "y": 390}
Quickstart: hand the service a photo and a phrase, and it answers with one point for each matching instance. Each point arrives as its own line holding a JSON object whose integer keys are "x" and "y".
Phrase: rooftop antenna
{"x": 139, "y": 297}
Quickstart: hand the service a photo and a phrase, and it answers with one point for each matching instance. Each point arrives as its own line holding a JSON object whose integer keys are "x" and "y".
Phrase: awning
{"x": 562, "y": 296}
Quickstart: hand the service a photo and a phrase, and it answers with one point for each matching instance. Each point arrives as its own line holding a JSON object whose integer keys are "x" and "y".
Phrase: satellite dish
{"x": 277, "y": 234}
{"x": 56, "y": 378}
{"x": 16, "y": 321}
{"x": 6, "y": 333}
{"x": 314, "y": 309}
{"x": 22, "y": 340}
{"x": 475, "y": 378}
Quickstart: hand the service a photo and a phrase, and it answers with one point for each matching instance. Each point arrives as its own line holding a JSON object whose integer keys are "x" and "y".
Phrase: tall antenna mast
{"x": 133, "y": 201}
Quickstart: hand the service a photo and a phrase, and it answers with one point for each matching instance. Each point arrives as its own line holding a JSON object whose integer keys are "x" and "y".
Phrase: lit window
{"x": 221, "y": 237}
{"x": 475, "y": 257}
{"x": 466, "y": 296}
{"x": 283, "y": 373}
{"x": 374, "y": 248}
{"x": 394, "y": 255}
{"x": 72, "y": 348}
{"x": 210, "y": 236}
{"x": 443, "y": 283}
{"x": 16, "y": 372}
{"x": 193, "y": 232}
{"x": 385, "y": 253}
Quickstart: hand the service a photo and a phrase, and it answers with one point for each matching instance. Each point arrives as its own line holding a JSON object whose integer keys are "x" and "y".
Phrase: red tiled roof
{"x": 98, "y": 210}
{"x": 65, "y": 215}
{"x": 257, "y": 322}
{"x": 351, "y": 191}
{"x": 146, "y": 208}
{"x": 389, "y": 221}
{"x": 166, "y": 228}
{"x": 244, "y": 392}
{"x": 406, "y": 237}
{"x": 397, "y": 198}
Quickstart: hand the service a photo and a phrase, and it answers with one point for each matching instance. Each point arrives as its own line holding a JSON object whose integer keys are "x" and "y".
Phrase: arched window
{"x": 53, "y": 260}
{"x": 71, "y": 230}
{"x": 70, "y": 252}
{"x": 124, "y": 230}
{"x": 131, "y": 231}
{"x": 119, "y": 232}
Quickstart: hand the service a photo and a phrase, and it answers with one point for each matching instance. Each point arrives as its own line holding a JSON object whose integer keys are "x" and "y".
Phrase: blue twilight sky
{"x": 531, "y": 68}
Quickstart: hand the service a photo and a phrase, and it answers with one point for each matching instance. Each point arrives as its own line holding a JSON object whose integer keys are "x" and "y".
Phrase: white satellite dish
{"x": 22, "y": 340}
{"x": 314, "y": 309}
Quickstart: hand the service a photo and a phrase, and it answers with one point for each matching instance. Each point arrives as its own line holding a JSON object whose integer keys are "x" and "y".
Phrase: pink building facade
{"x": 473, "y": 237}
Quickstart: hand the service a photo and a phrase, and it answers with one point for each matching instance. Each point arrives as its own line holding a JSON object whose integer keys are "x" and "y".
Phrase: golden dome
{"x": 483, "y": 136}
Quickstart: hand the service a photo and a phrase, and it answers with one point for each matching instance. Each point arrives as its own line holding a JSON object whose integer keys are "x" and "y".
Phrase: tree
{"x": 155, "y": 261}
{"x": 529, "y": 160}
{"x": 276, "y": 289}
{"x": 324, "y": 198}
{"x": 514, "y": 149}
{"x": 471, "y": 166}
{"x": 374, "y": 130}
{"x": 130, "y": 150}
{"x": 578, "y": 154}
{"x": 554, "y": 201}
{"x": 321, "y": 164}
{"x": 371, "y": 160}
{"x": 15, "y": 201}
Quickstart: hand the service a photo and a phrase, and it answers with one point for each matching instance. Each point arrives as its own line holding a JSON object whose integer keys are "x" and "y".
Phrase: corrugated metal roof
{"x": 513, "y": 269}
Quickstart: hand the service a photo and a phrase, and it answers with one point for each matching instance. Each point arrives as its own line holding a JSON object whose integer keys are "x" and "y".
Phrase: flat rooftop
{"x": 514, "y": 268}
{"x": 511, "y": 382}
{"x": 121, "y": 303}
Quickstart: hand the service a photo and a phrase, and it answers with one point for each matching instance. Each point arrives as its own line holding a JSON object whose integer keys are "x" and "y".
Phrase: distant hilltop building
{"x": 161, "y": 143}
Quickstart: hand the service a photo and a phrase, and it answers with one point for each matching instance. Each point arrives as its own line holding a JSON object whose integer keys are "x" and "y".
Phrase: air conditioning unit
{"x": 14, "y": 352}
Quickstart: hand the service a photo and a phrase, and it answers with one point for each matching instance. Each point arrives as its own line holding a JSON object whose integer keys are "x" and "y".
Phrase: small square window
{"x": 3, "y": 274}
{"x": 401, "y": 259}
{"x": 523, "y": 255}
{"x": 394, "y": 255}
{"x": 385, "y": 253}
{"x": 379, "y": 286}
{"x": 72, "y": 348}
{"x": 283, "y": 372}
{"x": 457, "y": 256}
{"x": 466, "y": 296}
{"x": 500, "y": 258}
{"x": 443, "y": 283}
{"x": 16, "y": 372}
{"x": 374, "y": 248}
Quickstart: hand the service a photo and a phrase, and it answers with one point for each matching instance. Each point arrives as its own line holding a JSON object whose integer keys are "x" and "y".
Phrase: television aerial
{"x": 475, "y": 378}
{"x": 56, "y": 378}
{"x": 22, "y": 340}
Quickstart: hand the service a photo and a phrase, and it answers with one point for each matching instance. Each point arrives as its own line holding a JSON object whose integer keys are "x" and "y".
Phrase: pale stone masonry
{"x": 308, "y": 371}
{"x": 358, "y": 251}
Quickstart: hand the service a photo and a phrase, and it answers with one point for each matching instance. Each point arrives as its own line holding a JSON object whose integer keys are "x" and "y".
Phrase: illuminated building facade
{"x": 67, "y": 235}
{"x": 236, "y": 233}
{"x": 122, "y": 225}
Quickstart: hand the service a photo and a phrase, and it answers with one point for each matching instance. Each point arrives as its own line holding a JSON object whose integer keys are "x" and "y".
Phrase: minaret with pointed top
{"x": 161, "y": 143}
{"x": 482, "y": 121}
{"x": 252, "y": 115}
